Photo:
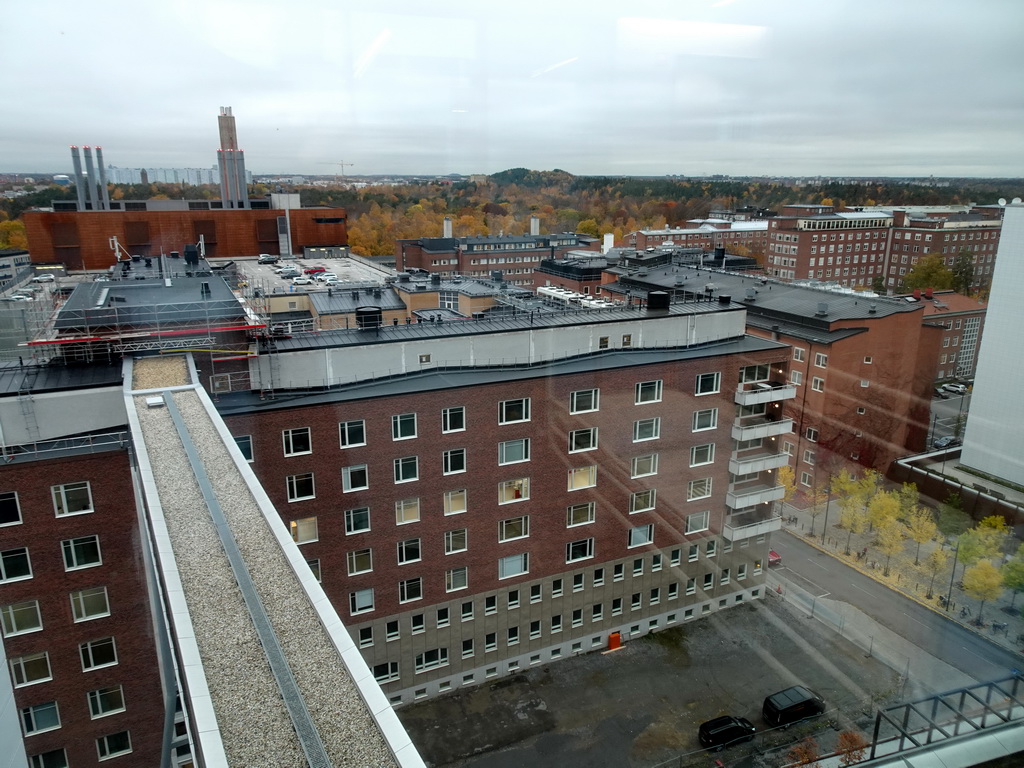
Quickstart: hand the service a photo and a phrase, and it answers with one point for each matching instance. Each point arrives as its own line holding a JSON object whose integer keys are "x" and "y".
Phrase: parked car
{"x": 289, "y": 272}
{"x": 949, "y": 441}
{"x": 303, "y": 281}
{"x": 791, "y": 706}
{"x": 323, "y": 277}
{"x": 774, "y": 558}
{"x": 43, "y": 279}
{"x": 941, "y": 393}
{"x": 266, "y": 258}
{"x": 332, "y": 282}
{"x": 314, "y": 270}
{"x": 725, "y": 731}
{"x": 958, "y": 389}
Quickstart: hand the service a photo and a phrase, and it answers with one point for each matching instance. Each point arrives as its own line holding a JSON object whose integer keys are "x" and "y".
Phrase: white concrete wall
{"x": 58, "y": 414}
{"x": 12, "y": 755}
{"x": 992, "y": 441}
{"x": 374, "y": 359}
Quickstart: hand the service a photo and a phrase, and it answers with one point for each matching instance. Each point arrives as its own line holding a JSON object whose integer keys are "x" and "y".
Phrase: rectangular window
{"x": 304, "y": 531}
{"x": 514, "y": 528}
{"x": 655, "y": 597}
{"x": 796, "y": 378}
{"x": 583, "y": 401}
{"x": 602, "y": 342}
{"x": 556, "y": 624}
{"x": 646, "y": 429}
{"x": 385, "y": 672}
{"x": 636, "y": 602}
{"x": 698, "y": 489}
{"x": 641, "y": 535}
{"x": 706, "y": 419}
{"x": 87, "y": 604}
{"x": 514, "y": 490}
{"x": 453, "y": 419}
{"x": 366, "y": 637}
{"x": 579, "y": 550}
{"x": 360, "y": 561}
{"x": 407, "y": 469}
{"x": 820, "y": 360}
{"x": 812, "y": 434}
{"x": 536, "y": 593}
{"x": 352, "y": 433}
{"x": 534, "y": 630}
{"x": 403, "y": 426}
{"x": 799, "y": 354}
{"x": 695, "y": 523}
{"x": 583, "y": 440}
{"x": 514, "y": 451}
{"x": 512, "y": 636}
{"x": 691, "y": 586}
{"x": 582, "y": 477}
{"x": 655, "y": 563}
{"x": 512, "y": 411}
{"x": 456, "y": 579}
{"x": 55, "y": 758}
{"x": 578, "y": 582}
{"x": 648, "y": 392}
{"x": 618, "y": 572}
{"x": 675, "y": 557}
{"x": 357, "y": 520}
{"x": 113, "y": 745}
{"x": 627, "y": 340}
{"x": 709, "y": 581}
{"x": 98, "y": 653}
{"x": 354, "y": 478}
{"x": 711, "y": 547}
{"x": 467, "y": 648}
{"x": 617, "y": 606}
{"x": 41, "y": 717}
{"x": 83, "y": 552}
{"x": 556, "y": 588}
{"x": 300, "y": 487}
{"x": 577, "y": 617}
{"x": 407, "y": 511}
{"x": 410, "y": 589}
{"x": 244, "y": 443}
{"x": 455, "y": 502}
{"x": 454, "y": 461}
{"x": 709, "y": 383}
{"x": 408, "y": 551}
{"x": 642, "y": 501}
{"x": 809, "y": 457}
{"x": 456, "y": 541}
{"x": 741, "y": 572}
{"x": 513, "y": 565}
{"x": 817, "y": 384}
{"x": 724, "y": 579}
{"x": 297, "y": 441}
{"x": 580, "y": 514}
{"x": 72, "y": 498}
{"x": 702, "y": 454}
{"x": 467, "y": 611}
{"x": 806, "y": 479}
{"x": 642, "y": 466}
{"x": 30, "y": 669}
{"x": 638, "y": 567}
{"x": 106, "y": 701}
{"x": 15, "y": 565}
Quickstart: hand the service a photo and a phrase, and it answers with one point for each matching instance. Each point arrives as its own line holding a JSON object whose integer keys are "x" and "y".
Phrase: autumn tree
{"x": 953, "y": 521}
{"x": 934, "y": 563}
{"x": 929, "y": 272}
{"x": 12, "y": 234}
{"x": 851, "y": 746}
{"x": 963, "y": 273}
{"x": 983, "y": 582}
{"x": 1013, "y": 573}
{"x": 889, "y": 540}
{"x": 819, "y": 502}
{"x": 852, "y": 511}
{"x": 786, "y": 478}
{"x": 921, "y": 527}
{"x": 883, "y": 508}
{"x": 805, "y": 752}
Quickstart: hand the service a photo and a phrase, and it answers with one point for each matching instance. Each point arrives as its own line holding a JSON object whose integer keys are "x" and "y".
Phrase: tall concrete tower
{"x": 231, "y": 163}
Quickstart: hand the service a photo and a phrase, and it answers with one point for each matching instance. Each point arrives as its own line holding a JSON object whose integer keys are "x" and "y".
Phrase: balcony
{"x": 752, "y": 429}
{"x": 750, "y": 523}
{"x": 745, "y": 495}
{"x": 764, "y": 392}
{"x": 759, "y": 461}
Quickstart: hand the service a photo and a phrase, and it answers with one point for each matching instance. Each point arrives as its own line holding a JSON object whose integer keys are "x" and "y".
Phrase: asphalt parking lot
{"x": 263, "y": 275}
{"x": 640, "y": 707}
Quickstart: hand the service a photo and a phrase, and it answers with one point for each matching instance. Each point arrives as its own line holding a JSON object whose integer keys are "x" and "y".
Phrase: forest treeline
{"x": 504, "y": 202}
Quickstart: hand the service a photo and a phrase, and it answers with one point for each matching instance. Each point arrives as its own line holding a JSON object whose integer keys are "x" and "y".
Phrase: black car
{"x": 725, "y": 731}
{"x": 949, "y": 441}
{"x": 791, "y": 706}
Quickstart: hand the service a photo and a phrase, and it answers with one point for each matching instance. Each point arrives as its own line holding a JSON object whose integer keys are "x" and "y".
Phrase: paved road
{"x": 945, "y": 414}
{"x": 929, "y": 630}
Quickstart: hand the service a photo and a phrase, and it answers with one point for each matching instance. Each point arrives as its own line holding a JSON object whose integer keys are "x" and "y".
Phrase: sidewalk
{"x": 1000, "y": 623}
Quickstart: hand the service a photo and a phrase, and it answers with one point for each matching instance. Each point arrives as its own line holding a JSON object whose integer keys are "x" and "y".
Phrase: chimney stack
{"x": 91, "y": 173}
{"x": 104, "y": 194}
{"x": 76, "y": 160}
{"x": 609, "y": 242}
{"x": 447, "y": 231}
{"x": 535, "y": 225}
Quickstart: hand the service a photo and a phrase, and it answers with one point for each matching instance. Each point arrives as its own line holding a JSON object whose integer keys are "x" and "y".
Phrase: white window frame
{"x": 451, "y": 415}
{"x": 581, "y": 477}
{"x": 89, "y": 647}
{"x": 346, "y": 478}
{"x": 697, "y": 522}
{"x": 100, "y": 707}
{"x": 456, "y": 502}
{"x": 512, "y": 528}
{"x": 818, "y": 384}
{"x": 15, "y": 554}
{"x": 587, "y": 547}
{"x": 410, "y": 590}
{"x": 708, "y": 386}
{"x": 452, "y": 543}
{"x": 505, "y": 406}
{"x": 643, "y": 501}
{"x": 508, "y": 488}
{"x": 698, "y": 488}
{"x": 643, "y": 466}
{"x": 453, "y": 461}
{"x": 404, "y": 509}
{"x": 456, "y": 579}
{"x": 401, "y": 466}
{"x": 292, "y": 485}
{"x": 700, "y": 415}
{"x": 820, "y": 360}
{"x": 640, "y": 536}
{"x": 304, "y": 530}
{"x": 400, "y": 426}
{"x": 26, "y": 669}
{"x": 646, "y": 429}
{"x": 350, "y": 520}
{"x": 586, "y": 514}
{"x": 587, "y": 438}
{"x": 345, "y": 430}
{"x": 648, "y": 392}
{"x": 577, "y": 406}
{"x": 61, "y": 501}
{"x": 511, "y": 566}
{"x": 357, "y": 601}
{"x": 29, "y": 716}
{"x": 244, "y": 443}
{"x": 288, "y": 440}
{"x": 104, "y": 749}
{"x": 505, "y": 451}
{"x": 359, "y": 561}
{"x": 697, "y": 460}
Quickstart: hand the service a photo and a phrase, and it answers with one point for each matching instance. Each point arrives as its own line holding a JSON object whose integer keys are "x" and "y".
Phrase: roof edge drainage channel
{"x": 309, "y": 738}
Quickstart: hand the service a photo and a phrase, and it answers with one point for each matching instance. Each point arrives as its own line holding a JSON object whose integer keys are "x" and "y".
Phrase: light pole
{"x": 949, "y": 595}
{"x": 828, "y": 502}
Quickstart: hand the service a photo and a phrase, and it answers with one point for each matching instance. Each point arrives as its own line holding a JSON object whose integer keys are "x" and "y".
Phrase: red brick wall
{"x": 548, "y": 471}
{"x": 81, "y": 240}
{"x": 122, "y": 572}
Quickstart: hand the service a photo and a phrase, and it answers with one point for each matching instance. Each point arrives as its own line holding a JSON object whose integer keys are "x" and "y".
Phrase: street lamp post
{"x": 949, "y": 595}
{"x": 828, "y": 502}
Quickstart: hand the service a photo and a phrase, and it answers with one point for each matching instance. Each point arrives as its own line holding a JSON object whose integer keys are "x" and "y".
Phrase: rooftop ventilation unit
{"x": 822, "y": 309}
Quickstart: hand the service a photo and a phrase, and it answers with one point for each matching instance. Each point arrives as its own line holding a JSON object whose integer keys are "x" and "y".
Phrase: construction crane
{"x": 341, "y": 165}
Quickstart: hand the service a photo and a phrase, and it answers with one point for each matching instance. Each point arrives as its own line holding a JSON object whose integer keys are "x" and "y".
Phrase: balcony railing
{"x": 749, "y": 463}
{"x": 751, "y": 523}
{"x": 764, "y": 392}
{"x": 753, "y": 429}
{"x": 751, "y": 494}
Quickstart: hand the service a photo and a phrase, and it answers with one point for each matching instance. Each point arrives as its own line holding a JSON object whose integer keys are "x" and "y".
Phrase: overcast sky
{"x": 786, "y": 87}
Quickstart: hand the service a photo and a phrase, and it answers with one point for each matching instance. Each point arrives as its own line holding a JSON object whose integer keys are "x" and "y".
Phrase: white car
{"x": 323, "y": 277}
{"x": 302, "y": 281}
{"x": 959, "y": 389}
{"x": 43, "y": 279}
